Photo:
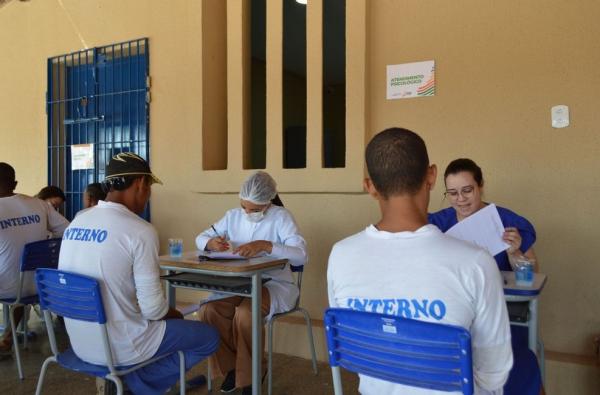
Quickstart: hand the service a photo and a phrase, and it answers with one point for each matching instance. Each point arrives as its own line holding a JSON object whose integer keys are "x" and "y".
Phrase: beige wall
{"x": 500, "y": 67}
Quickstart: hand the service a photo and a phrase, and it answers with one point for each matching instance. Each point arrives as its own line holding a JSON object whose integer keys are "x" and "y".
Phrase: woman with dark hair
{"x": 464, "y": 191}
{"x": 52, "y": 195}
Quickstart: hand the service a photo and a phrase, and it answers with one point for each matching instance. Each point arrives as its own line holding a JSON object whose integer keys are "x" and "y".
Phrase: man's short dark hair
{"x": 49, "y": 192}
{"x": 7, "y": 176}
{"x": 95, "y": 192}
{"x": 397, "y": 162}
{"x": 122, "y": 183}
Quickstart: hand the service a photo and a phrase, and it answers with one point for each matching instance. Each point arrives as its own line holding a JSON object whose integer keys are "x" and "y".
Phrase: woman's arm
{"x": 213, "y": 238}
{"x": 513, "y": 238}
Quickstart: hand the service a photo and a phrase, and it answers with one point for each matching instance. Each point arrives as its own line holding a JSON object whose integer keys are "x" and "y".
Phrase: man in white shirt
{"x": 111, "y": 243}
{"x": 23, "y": 219}
{"x": 403, "y": 266}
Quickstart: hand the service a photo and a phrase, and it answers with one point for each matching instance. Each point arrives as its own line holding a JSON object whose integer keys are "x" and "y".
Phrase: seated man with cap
{"x": 114, "y": 245}
{"x": 23, "y": 219}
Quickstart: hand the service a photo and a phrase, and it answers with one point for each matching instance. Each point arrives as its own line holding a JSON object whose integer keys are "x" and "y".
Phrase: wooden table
{"x": 253, "y": 268}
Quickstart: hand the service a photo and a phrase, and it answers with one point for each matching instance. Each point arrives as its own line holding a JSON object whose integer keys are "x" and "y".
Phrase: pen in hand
{"x": 221, "y": 240}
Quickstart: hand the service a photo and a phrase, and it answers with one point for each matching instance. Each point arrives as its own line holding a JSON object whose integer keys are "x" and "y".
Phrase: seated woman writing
{"x": 261, "y": 226}
{"x": 464, "y": 190}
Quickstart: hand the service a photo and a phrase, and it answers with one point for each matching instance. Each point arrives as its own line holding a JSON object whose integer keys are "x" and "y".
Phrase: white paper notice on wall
{"x": 82, "y": 156}
{"x": 408, "y": 80}
{"x": 560, "y": 116}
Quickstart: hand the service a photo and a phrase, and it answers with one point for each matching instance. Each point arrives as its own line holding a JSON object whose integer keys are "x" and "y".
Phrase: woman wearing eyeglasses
{"x": 464, "y": 189}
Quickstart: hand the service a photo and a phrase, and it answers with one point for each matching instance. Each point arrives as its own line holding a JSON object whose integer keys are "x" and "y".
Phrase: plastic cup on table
{"x": 523, "y": 269}
{"x": 175, "y": 247}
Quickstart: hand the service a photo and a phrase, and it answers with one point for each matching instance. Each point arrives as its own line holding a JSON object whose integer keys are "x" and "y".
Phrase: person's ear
{"x": 370, "y": 188}
{"x": 431, "y": 177}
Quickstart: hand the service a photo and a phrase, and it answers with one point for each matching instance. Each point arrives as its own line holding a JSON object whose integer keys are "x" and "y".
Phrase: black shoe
{"x": 229, "y": 382}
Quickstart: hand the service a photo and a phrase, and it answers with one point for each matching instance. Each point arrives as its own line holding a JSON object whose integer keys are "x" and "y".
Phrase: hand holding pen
{"x": 219, "y": 243}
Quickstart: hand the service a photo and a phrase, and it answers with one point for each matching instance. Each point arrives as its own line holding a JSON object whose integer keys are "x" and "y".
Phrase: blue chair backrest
{"x": 400, "y": 350}
{"x": 70, "y": 295}
{"x": 43, "y": 253}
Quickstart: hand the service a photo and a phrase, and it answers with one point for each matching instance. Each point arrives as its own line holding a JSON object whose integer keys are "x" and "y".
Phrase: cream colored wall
{"x": 500, "y": 66}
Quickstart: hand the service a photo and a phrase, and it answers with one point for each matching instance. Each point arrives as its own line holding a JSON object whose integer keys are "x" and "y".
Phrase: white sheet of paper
{"x": 484, "y": 229}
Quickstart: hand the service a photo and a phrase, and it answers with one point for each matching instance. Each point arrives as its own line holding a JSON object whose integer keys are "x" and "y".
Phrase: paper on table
{"x": 484, "y": 229}
{"x": 222, "y": 255}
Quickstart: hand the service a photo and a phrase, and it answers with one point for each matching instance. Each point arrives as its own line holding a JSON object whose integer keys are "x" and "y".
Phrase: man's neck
{"x": 117, "y": 197}
{"x": 402, "y": 214}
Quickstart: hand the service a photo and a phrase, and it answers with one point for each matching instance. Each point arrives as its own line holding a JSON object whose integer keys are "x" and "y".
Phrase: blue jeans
{"x": 196, "y": 339}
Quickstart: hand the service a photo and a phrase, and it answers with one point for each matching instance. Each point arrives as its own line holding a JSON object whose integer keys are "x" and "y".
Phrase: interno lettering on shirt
{"x": 19, "y": 221}
{"x": 407, "y": 308}
{"x": 84, "y": 234}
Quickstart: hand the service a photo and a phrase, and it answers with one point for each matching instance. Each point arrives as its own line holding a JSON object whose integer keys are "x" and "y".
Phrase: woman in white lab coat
{"x": 259, "y": 227}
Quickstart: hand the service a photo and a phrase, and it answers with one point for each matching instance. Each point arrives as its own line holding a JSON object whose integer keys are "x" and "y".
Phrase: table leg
{"x": 171, "y": 298}
{"x": 533, "y": 325}
{"x": 256, "y": 333}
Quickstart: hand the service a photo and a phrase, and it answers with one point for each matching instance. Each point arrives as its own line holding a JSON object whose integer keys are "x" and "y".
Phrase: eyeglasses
{"x": 465, "y": 192}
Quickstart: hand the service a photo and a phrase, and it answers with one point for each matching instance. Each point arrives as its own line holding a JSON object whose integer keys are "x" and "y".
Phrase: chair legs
{"x": 270, "y": 355}
{"x": 13, "y": 328}
{"x": 181, "y": 372}
{"x": 208, "y": 377}
{"x": 40, "y": 383}
{"x": 117, "y": 382}
{"x": 310, "y": 338}
{"x": 337, "y": 380}
{"x": 270, "y": 345}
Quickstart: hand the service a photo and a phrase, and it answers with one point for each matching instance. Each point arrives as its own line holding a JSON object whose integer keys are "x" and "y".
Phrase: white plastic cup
{"x": 175, "y": 247}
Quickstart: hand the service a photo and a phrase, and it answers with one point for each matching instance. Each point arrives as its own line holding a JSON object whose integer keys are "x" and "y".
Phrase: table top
{"x": 511, "y": 288}
{"x": 189, "y": 262}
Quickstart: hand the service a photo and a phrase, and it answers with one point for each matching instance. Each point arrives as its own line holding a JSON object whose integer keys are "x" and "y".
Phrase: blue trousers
{"x": 196, "y": 339}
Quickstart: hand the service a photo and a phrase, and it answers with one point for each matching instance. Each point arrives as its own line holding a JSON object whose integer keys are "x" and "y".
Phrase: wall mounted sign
{"x": 408, "y": 80}
{"x": 82, "y": 156}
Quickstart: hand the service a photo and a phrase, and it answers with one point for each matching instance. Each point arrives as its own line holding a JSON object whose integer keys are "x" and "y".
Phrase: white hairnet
{"x": 259, "y": 188}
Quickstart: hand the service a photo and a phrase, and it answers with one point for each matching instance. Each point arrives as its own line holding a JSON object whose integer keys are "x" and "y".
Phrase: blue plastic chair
{"x": 38, "y": 254}
{"x": 399, "y": 350}
{"x": 298, "y": 270}
{"x": 78, "y": 297}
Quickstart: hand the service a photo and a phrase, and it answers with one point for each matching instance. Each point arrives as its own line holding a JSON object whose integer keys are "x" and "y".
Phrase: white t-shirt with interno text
{"x": 118, "y": 248}
{"x": 428, "y": 276}
{"x": 23, "y": 220}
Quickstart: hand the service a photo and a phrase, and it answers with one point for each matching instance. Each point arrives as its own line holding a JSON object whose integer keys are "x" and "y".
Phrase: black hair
{"x": 95, "y": 192}
{"x": 397, "y": 162}
{"x": 277, "y": 201}
{"x": 7, "y": 176}
{"x": 50, "y": 192}
{"x": 120, "y": 183}
{"x": 465, "y": 164}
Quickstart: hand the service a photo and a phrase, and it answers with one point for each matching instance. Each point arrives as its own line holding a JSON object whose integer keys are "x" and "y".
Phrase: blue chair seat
{"x": 69, "y": 360}
{"x": 33, "y": 299}
{"x": 78, "y": 297}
